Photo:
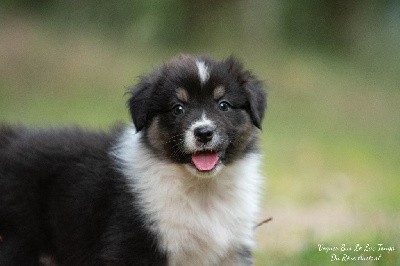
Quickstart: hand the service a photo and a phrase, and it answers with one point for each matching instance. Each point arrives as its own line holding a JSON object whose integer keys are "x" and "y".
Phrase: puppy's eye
{"x": 224, "y": 106}
{"x": 178, "y": 109}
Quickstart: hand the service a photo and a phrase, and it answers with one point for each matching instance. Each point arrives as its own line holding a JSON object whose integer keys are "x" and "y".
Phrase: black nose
{"x": 203, "y": 134}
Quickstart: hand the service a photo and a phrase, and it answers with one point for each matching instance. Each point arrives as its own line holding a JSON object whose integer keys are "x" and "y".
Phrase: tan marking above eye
{"x": 182, "y": 95}
{"x": 219, "y": 92}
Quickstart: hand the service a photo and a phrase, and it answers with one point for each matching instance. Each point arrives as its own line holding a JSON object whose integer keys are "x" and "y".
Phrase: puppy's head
{"x": 198, "y": 112}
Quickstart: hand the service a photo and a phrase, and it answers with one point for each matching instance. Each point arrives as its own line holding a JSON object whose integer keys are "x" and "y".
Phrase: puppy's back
{"x": 7, "y": 135}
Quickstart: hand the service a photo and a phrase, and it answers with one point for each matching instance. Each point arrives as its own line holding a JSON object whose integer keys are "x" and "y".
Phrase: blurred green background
{"x": 331, "y": 136}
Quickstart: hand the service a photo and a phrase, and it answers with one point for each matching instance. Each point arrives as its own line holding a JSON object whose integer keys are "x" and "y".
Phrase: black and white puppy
{"x": 179, "y": 187}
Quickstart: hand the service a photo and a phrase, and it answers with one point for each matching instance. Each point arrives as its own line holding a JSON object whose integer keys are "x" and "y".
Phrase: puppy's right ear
{"x": 138, "y": 103}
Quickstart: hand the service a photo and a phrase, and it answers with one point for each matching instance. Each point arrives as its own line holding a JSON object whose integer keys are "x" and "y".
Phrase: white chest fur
{"x": 198, "y": 221}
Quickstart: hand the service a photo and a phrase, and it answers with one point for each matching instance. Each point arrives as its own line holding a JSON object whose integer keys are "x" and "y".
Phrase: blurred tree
{"x": 331, "y": 24}
{"x": 28, "y": 5}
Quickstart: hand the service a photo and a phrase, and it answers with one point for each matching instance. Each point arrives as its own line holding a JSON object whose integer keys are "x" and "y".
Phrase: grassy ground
{"x": 332, "y": 142}
{"x": 331, "y": 137}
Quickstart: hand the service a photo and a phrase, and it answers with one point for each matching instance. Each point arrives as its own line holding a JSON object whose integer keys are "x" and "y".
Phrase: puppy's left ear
{"x": 257, "y": 97}
{"x": 257, "y": 100}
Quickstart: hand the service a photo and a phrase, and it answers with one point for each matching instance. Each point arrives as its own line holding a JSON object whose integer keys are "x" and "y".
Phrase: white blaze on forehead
{"x": 204, "y": 75}
{"x": 204, "y": 121}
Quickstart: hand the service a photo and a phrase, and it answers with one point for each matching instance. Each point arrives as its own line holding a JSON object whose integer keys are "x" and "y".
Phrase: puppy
{"x": 178, "y": 187}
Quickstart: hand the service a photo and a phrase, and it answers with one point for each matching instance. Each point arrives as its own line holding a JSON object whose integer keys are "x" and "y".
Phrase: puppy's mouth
{"x": 205, "y": 160}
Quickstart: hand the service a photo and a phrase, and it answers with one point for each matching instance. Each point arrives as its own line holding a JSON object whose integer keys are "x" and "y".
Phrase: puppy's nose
{"x": 203, "y": 134}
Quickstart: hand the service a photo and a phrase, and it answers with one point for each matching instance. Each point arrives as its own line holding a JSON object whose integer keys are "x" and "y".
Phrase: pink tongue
{"x": 205, "y": 161}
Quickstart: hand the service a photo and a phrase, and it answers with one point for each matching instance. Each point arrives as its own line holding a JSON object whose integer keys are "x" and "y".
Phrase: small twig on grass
{"x": 264, "y": 222}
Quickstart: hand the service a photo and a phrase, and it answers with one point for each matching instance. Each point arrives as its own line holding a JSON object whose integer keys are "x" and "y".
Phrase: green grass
{"x": 331, "y": 136}
{"x": 332, "y": 159}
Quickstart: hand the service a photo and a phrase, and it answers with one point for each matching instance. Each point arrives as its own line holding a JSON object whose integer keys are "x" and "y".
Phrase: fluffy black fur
{"x": 62, "y": 194}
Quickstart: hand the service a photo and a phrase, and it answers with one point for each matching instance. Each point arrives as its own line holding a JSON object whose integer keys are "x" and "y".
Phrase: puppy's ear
{"x": 139, "y": 101}
{"x": 257, "y": 97}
